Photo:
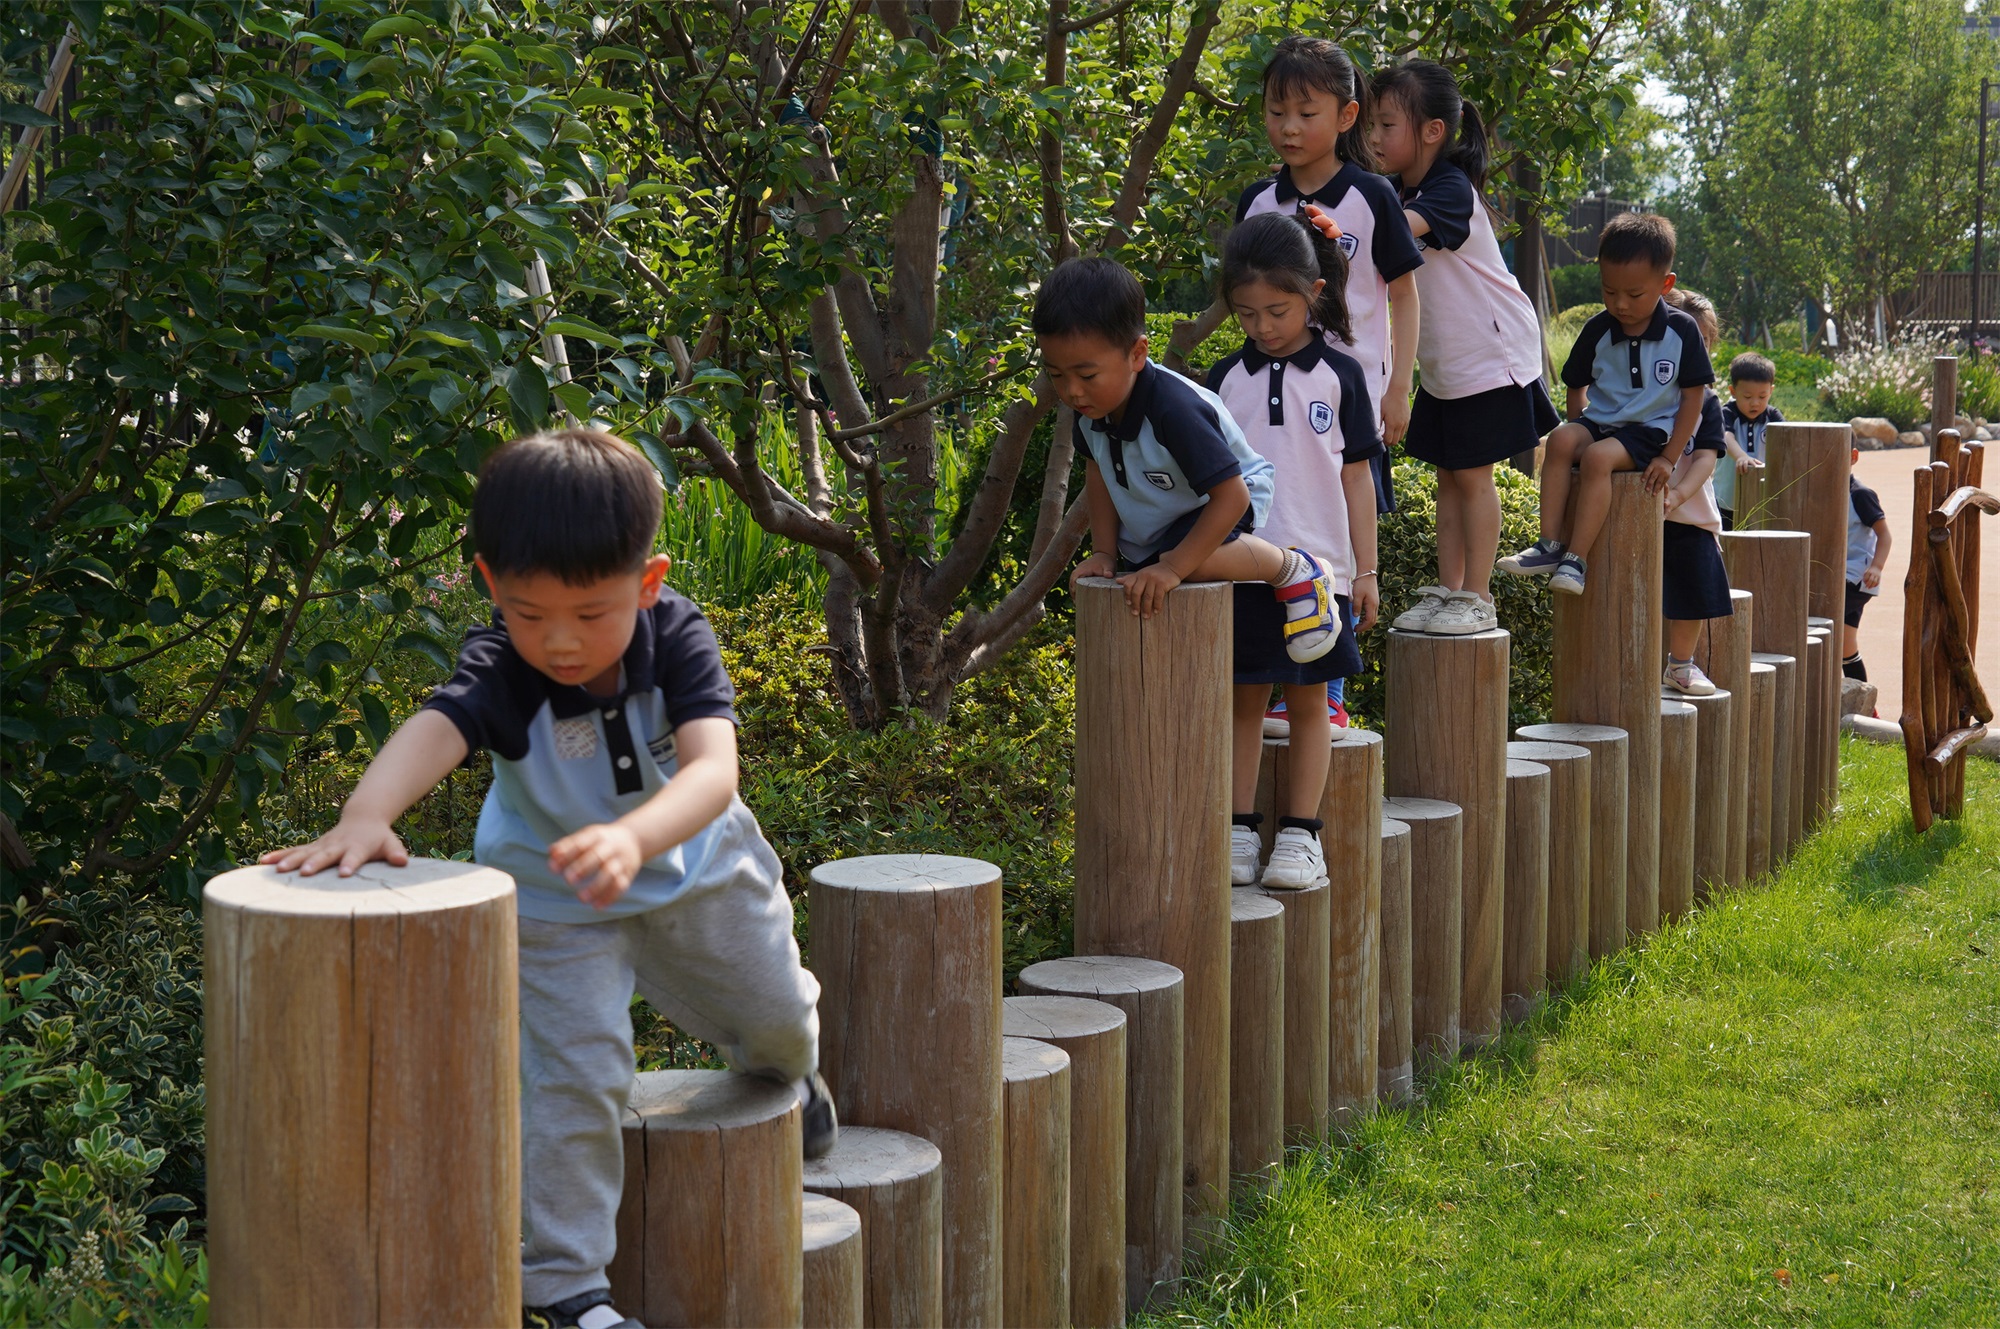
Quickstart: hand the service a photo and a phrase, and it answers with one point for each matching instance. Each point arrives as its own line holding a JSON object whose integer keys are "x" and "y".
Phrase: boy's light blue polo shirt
{"x": 1173, "y": 442}
{"x": 1638, "y": 380}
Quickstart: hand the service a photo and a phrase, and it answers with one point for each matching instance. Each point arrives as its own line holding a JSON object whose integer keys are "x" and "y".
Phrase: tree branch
{"x": 1090, "y": 20}
{"x": 1146, "y": 147}
{"x": 987, "y": 512}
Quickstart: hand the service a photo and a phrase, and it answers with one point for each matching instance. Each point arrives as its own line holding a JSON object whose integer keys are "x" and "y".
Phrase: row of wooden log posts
{"x": 1047, "y": 1158}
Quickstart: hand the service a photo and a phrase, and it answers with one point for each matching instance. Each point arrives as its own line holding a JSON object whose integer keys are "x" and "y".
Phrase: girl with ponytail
{"x": 1480, "y": 349}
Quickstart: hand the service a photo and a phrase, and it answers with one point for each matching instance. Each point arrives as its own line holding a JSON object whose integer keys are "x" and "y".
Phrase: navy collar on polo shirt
{"x": 1656, "y": 327}
{"x": 568, "y": 700}
{"x": 1131, "y": 417}
{"x": 1326, "y": 195}
{"x": 1439, "y": 165}
{"x": 1305, "y": 357}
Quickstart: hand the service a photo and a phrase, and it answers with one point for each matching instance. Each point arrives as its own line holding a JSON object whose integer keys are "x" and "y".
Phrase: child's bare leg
{"x": 1450, "y": 533}
{"x": 1478, "y": 504}
{"x": 1850, "y": 642}
{"x": 1565, "y": 445}
{"x": 1593, "y": 492}
{"x": 1246, "y": 741}
{"x": 1245, "y": 558}
{"x": 1311, "y": 747}
{"x": 1683, "y": 635}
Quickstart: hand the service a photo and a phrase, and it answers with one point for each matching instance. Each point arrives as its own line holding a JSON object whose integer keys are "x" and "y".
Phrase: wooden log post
{"x": 1447, "y": 740}
{"x": 1436, "y": 920}
{"x": 1150, "y": 994}
{"x": 1308, "y": 983}
{"x": 907, "y": 950}
{"x": 1944, "y": 398}
{"x": 1609, "y": 652}
{"x": 1763, "y": 756}
{"x": 1093, "y": 1034}
{"x": 1775, "y": 566}
{"x": 1678, "y": 807}
{"x": 1609, "y": 795}
{"x": 834, "y": 1265}
{"x": 1152, "y": 731}
{"x": 363, "y": 1079}
{"x": 1826, "y": 722}
{"x": 1813, "y": 767}
{"x": 1395, "y": 1077}
{"x": 1035, "y": 1096}
{"x": 1524, "y": 958}
{"x": 1714, "y": 749}
{"x": 895, "y": 1182}
{"x": 1725, "y": 657}
{"x": 1786, "y": 777}
{"x": 1566, "y": 948}
{"x": 709, "y": 1225}
{"x": 1352, "y": 811}
{"x": 1256, "y": 1041}
{"x": 1807, "y": 466}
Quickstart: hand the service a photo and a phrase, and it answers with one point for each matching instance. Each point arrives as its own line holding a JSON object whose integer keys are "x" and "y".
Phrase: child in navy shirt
{"x": 603, "y": 699}
{"x": 1867, "y": 555}
{"x": 1304, "y": 406}
{"x": 1752, "y": 379}
{"x": 1636, "y": 379}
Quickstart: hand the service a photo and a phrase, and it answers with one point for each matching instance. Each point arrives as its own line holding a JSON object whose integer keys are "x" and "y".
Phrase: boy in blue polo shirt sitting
{"x": 1636, "y": 378}
{"x": 1185, "y": 489}
{"x": 603, "y": 700}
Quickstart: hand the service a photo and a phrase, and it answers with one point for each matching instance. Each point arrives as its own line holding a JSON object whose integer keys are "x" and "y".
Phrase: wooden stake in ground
{"x": 1396, "y": 1076}
{"x": 1352, "y": 811}
{"x": 1525, "y": 956}
{"x": 835, "y": 1272}
{"x": 1035, "y": 1079}
{"x": 1715, "y": 790}
{"x": 894, "y": 1181}
{"x": 1256, "y": 1040}
{"x": 1763, "y": 753}
{"x": 1436, "y": 859}
{"x": 1307, "y": 1041}
{"x": 1678, "y": 808}
{"x": 1609, "y": 793}
{"x": 1566, "y": 952}
{"x": 363, "y": 1075}
{"x": 1787, "y": 779}
{"x": 1775, "y": 567}
{"x": 1725, "y": 657}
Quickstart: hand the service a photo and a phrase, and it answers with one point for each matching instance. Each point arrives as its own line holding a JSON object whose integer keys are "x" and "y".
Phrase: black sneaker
{"x": 585, "y": 1310}
{"x": 819, "y": 1123}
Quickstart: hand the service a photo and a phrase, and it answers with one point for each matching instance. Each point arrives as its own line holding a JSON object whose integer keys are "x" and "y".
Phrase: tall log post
{"x": 1725, "y": 658}
{"x": 1714, "y": 749}
{"x": 1807, "y": 467}
{"x": 907, "y": 951}
{"x": 1437, "y": 857}
{"x": 1818, "y": 652}
{"x": 1151, "y": 996}
{"x": 1566, "y": 950}
{"x": 1609, "y": 651}
{"x": 1352, "y": 811}
{"x": 709, "y": 1225}
{"x": 1775, "y": 566}
{"x": 895, "y": 1182}
{"x": 1308, "y": 984}
{"x": 1152, "y": 731}
{"x": 1447, "y": 740}
{"x": 363, "y": 1087}
{"x": 1256, "y": 1040}
{"x": 1678, "y": 808}
{"x": 1763, "y": 756}
{"x": 1787, "y": 780}
{"x": 1396, "y": 1069}
{"x": 835, "y": 1270}
{"x": 1524, "y": 960}
{"x": 1093, "y": 1034}
{"x": 1035, "y": 1099}
{"x": 1826, "y": 722}
{"x": 1609, "y": 798}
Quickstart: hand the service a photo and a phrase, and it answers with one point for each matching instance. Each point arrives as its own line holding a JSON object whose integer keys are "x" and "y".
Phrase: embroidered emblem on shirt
{"x": 576, "y": 738}
{"x": 662, "y": 747}
{"x": 1348, "y": 243}
{"x": 1663, "y": 371}
{"x": 1160, "y": 479}
{"x": 1321, "y": 416}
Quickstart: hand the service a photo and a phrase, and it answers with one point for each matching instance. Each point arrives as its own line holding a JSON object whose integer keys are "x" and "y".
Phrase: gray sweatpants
{"x": 721, "y": 963}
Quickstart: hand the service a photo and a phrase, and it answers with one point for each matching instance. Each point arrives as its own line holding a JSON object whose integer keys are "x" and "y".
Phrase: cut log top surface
{"x": 1675, "y": 706}
{"x": 1764, "y": 666}
{"x": 1246, "y": 904}
{"x": 1774, "y": 535}
{"x": 1111, "y": 583}
{"x": 1815, "y": 621}
{"x": 1545, "y": 753}
{"x": 869, "y": 1156}
{"x": 707, "y": 1100}
{"x": 1027, "y": 1059}
{"x": 1570, "y": 733}
{"x": 1519, "y": 768}
{"x": 1720, "y": 694}
{"x": 905, "y": 872}
{"x": 1418, "y": 809}
{"x": 1395, "y": 830}
{"x": 1058, "y": 1017}
{"x": 1771, "y": 658}
{"x": 829, "y": 1222}
{"x": 1445, "y": 641}
{"x": 1103, "y": 975}
{"x": 426, "y": 884}
{"x": 1356, "y": 738}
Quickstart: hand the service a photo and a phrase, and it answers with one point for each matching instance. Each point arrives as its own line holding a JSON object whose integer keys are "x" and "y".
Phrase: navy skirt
{"x": 1260, "y": 642}
{"x": 1693, "y": 582}
{"x": 1461, "y": 433}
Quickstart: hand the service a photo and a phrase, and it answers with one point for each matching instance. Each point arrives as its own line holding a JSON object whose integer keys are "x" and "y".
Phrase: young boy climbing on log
{"x": 602, "y": 697}
{"x": 1636, "y": 378}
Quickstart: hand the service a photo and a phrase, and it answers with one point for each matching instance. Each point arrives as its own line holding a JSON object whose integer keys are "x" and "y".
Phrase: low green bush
{"x": 1978, "y": 387}
{"x": 1577, "y": 284}
{"x": 1561, "y": 335}
{"x": 1795, "y": 368}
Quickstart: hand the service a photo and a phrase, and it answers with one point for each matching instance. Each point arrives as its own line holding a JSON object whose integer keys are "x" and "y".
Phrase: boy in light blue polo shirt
{"x": 1636, "y": 378}
{"x": 603, "y": 699}
{"x": 1172, "y": 488}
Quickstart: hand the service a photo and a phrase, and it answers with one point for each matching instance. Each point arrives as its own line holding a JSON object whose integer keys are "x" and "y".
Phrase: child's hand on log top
{"x": 1094, "y": 565}
{"x": 598, "y": 862}
{"x": 1658, "y": 472}
{"x": 347, "y": 846}
{"x": 1146, "y": 590}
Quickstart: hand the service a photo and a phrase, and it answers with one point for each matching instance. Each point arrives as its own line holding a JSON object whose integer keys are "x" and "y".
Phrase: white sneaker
{"x": 1244, "y": 848}
{"x": 1686, "y": 678}
{"x": 1463, "y": 613}
{"x": 1418, "y": 616}
{"x": 1296, "y": 860}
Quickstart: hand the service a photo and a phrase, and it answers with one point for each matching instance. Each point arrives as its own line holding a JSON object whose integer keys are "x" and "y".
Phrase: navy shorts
{"x": 1260, "y": 641}
{"x": 1178, "y": 531}
{"x": 1857, "y": 600}
{"x": 1642, "y": 442}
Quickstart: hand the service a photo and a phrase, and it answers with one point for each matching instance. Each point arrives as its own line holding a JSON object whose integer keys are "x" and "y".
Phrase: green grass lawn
{"x": 1784, "y": 1110}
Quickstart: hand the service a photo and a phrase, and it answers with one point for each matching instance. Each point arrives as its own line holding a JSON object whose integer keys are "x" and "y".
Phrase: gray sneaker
{"x": 819, "y": 1121}
{"x": 586, "y": 1310}
{"x": 1463, "y": 614}
{"x": 1537, "y": 560}
{"x": 1568, "y": 576}
{"x": 1417, "y": 617}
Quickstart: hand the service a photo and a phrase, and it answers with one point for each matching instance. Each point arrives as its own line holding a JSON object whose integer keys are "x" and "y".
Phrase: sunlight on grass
{"x": 1785, "y": 1109}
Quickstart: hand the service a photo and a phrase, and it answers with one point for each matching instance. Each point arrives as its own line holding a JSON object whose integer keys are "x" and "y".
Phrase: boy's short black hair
{"x": 1091, "y": 295}
{"x": 579, "y": 504}
{"x": 1751, "y": 367}
{"x": 1638, "y": 235}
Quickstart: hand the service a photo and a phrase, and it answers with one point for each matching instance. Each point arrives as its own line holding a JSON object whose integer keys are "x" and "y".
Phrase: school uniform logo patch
{"x": 1160, "y": 479}
{"x": 1663, "y": 372}
{"x": 1321, "y": 416}
{"x": 1348, "y": 244}
{"x": 576, "y": 738}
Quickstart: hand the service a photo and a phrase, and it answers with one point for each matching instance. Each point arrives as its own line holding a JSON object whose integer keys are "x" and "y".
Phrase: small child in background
{"x": 1694, "y": 585}
{"x": 1752, "y": 379}
{"x": 1482, "y": 399}
{"x": 1636, "y": 378}
{"x": 1867, "y": 555}
{"x": 1304, "y": 406}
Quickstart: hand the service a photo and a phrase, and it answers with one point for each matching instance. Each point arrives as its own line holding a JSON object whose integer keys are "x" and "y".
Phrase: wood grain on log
{"x": 835, "y": 1266}
{"x": 1724, "y": 655}
{"x": 1436, "y": 860}
{"x": 894, "y": 1181}
{"x": 1524, "y": 961}
{"x": 1256, "y": 1040}
{"x": 1035, "y": 1090}
{"x": 1609, "y": 796}
{"x": 1566, "y": 949}
{"x": 1396, "y": 1068}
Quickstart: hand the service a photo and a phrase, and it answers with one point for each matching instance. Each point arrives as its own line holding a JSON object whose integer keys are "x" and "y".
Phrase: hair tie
{"x": 1321, "y": 221}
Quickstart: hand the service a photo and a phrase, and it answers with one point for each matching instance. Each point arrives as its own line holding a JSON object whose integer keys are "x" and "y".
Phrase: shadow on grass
{"x": 1897, "y": 858}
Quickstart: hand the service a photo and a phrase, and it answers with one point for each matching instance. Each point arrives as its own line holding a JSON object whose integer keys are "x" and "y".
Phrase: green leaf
{"x": 364, "y": 98}
{"x": 355, "y": 337}
{"x": 396, "y": 25}
{"x": 528, "y": 396}
{"x": 422, "y": 643}
{"x": 649, "y": 444}
{"x": 590, "y": 332}
{"x": 624, "y": 101}
{"x": 326, "y": 653}
{"x": 376, "y": 716}
{"x": 20, "y": 113}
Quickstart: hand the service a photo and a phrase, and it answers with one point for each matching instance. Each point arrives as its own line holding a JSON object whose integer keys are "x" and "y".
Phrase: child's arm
{"x": 410, "y": 764}
{"x": 1357, "y": 483}
{"x": 1404, "y": 319}
{"x": 1420, "y": 225}
{"x": 1691, "y": 481}
{"x": 600, "y": 861}
{"x": 1871, "y": 576}
{"x": 1102, "y": 561}
{"x": 1146, "y": 590}
{"x": 1685, "y": 420}
{"x": 1574, "y": 400}
{"x": 1736, "y": 451}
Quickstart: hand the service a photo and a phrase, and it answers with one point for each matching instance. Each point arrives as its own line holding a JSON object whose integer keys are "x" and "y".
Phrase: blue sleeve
{"x": 1867, "y": 506}
{"x": 1708, "y": 430}
{"x": 492, "y": 696}
{"x": 1581, "y": 367}
{"x": 1395, "y": 250}
{"x": 1446, "y": 201}
{"x": 1772, "y": 415}
{"x": 687, "y": 664}
{"x": 1359, "y": 439}
{"x": 1194, "y": 436}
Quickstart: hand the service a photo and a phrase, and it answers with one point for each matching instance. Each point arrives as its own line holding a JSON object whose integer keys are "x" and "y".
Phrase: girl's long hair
{"x": 1290, "y": 253}
{"x": 1301, "y": 64}
{"x": 1427, "y": 90}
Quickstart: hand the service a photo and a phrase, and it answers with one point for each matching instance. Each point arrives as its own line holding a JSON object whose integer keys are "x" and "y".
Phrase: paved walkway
{"x": 1888, "y": 474}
